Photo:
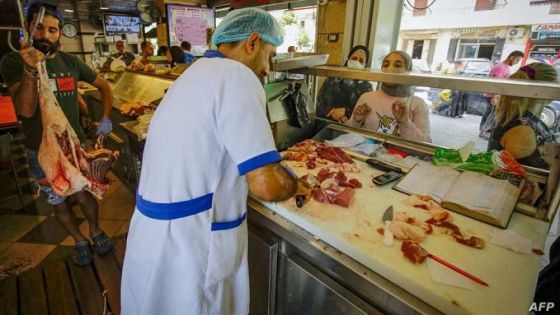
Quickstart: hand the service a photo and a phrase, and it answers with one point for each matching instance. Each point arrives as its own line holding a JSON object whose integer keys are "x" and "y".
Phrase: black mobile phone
{"x": 386, "y": 178}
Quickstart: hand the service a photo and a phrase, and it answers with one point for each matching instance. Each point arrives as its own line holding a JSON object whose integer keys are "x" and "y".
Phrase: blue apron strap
{"x": 174, "y": 210}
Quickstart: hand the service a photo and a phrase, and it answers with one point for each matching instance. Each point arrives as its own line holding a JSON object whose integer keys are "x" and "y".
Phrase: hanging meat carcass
{"x": 68, "y": 168}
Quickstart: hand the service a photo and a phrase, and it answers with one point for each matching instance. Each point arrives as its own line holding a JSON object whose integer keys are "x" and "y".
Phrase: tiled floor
{"x": 32, "y": 234}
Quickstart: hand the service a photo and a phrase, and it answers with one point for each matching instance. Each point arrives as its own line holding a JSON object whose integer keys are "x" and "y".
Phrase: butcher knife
{"x": 388, "y": 219}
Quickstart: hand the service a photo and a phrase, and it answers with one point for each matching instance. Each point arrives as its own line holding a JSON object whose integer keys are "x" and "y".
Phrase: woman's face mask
{"x": 355, "y": 64}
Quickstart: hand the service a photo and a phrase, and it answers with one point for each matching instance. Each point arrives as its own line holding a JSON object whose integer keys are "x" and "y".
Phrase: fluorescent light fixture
{"x": 103, "y": 8}
{"x": 68, "y": 10}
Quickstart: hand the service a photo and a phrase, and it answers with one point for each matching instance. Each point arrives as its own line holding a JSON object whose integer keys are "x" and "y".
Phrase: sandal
{"x": 102, "y": 243}
{"x": 82, "y": 254}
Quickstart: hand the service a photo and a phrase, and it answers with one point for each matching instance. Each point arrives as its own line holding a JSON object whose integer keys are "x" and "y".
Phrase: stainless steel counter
{"x": 345, "y": 284}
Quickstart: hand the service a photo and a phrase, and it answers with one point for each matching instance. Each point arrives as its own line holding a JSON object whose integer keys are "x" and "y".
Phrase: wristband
{"x": 30, "y": 71}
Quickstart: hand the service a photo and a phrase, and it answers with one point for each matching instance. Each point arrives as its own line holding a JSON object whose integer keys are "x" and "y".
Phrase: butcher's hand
{"x": 31, "y": 56}
{"x": 401, "y": 111}
{"x": 360, "y": 112}
{"x": 104, "y": 127}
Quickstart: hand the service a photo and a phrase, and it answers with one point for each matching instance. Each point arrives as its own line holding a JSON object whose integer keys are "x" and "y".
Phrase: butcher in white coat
{"x": 209, "y": 143}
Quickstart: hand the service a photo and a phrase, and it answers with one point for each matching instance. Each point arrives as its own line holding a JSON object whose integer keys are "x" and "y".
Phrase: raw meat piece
{"x": 334, "y": 154}
{"x": 405, "y": 231}
{"x": 344, "y": 197}
{"x": 352, "y": 183}
{"x": 324, "y": 174}
{"x": 295, "y": 156}
{"x": 311, "y": 164}
{"x": 68, "y": 168}
{"x": 320, "y": 195}
{"x": 427, "y": 203}
{"x": 414, "y": 252}
{"x": 341, "y": 177}
{"x": 407, "y": 218}
{"x": 455, "y": 231}
{"x": 309, "y": 181}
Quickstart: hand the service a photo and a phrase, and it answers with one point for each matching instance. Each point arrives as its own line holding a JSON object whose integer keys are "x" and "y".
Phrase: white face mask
{"x": 355, "y": 64}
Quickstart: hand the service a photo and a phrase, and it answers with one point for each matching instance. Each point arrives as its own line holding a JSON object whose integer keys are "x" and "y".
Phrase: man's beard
{"x": 45, "y": 46}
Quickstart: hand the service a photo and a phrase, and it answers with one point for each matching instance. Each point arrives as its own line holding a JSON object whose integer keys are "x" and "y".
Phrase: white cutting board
{"x": 512, "y": 276}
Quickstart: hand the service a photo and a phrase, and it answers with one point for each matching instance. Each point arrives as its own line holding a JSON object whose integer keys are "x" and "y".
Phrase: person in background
{"x": 189, "y": 58}
{"x": 292, "y": 49}
{"x": 337, "y": 97}
{"x": 162, "y": 50}
{"x": 143, "y": 59}
{"x": 518, "y": 128}
{"x": 186, "y": 250}
{"x": 500, "y": 70}
{"x": 19, "y": 69}
{"x": 176, "y": 55}
{"x": 394, "y": 109}
{"x": 124, "y": 55}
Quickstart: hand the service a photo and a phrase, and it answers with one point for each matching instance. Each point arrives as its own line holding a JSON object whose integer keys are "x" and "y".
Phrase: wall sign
{"x": 187, "y": 23}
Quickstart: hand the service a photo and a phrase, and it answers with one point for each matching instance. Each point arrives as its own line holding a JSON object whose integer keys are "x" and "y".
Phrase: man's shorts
{"x": 37, "y": 174}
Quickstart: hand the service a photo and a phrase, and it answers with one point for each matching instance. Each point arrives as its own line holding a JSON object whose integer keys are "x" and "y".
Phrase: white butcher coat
{"x": 186, "y": 250}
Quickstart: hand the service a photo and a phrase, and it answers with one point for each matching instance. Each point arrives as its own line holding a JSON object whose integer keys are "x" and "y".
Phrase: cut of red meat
{"x": 343, "y": 198}
{"x": 341, "y": 177}
{"x": 413, "y": 252}
{"x": 455, "y": 231}
{"x": 311, "y": 164}
{"x": 334, "y": 154}
{"x": 355, "y": 183}
{"x": 381, "y": 230}
{"x": 352, "y": 183}
{"x": 320, "y": 195}
{"x": 324, "y": 174}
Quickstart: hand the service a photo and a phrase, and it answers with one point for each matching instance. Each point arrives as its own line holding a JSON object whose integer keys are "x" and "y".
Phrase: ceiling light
{"x": 103, "y": 8}
{"x": 68, "y": 10}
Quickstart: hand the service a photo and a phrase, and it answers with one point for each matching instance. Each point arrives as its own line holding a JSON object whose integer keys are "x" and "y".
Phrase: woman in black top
{"x": 518, "y": 127}
{"x": 337, "y": 97}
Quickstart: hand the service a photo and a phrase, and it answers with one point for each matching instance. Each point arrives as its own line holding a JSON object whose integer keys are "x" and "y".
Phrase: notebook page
{"x": 428, "y": 180}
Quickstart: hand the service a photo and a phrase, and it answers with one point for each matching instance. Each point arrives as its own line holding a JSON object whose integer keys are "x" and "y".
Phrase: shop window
{"x": 417, "y": 49}
{"x": 419, "y": 7}
{"x": 554, "y": 8}
{"x": 482, "y": 5}
{"x": 476, "y": 48}
{"x": 299, "y": 25}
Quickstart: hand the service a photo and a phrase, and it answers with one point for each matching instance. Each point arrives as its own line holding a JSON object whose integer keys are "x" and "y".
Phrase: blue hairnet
{"x": 240, "y": 23}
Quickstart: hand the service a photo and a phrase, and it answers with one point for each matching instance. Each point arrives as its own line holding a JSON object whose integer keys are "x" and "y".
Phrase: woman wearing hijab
{"x": 394, "y": 109}
{"x": 518, "y": 128}
{"x": 337, "y": 97}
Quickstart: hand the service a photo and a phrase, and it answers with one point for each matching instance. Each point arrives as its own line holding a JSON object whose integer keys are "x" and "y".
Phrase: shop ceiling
{"x": 88, "y": 10}
{"x": 85, "y": 10}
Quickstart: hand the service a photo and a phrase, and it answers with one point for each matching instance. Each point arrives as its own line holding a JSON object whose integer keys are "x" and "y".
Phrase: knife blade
{"x": 387, "y": 234}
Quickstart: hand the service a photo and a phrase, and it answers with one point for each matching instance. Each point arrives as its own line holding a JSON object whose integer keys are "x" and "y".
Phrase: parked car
{"x": 468, "y": 67}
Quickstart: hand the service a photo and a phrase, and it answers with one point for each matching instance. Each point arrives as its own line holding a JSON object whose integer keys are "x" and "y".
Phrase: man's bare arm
{"x": 24, "y": 92}
{"x": 24, "y": 95}
{"x": 106, "y": 95}
{"x": 271, "y": 183}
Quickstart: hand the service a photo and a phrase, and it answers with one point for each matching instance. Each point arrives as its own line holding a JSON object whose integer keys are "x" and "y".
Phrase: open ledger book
{"x": 475, "y": 195}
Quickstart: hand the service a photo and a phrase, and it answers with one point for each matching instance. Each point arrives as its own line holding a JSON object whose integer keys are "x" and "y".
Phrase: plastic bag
{"x": 296, "y": 106}
{"x": 489, "y": 163}
{"x": 508, "y": 164}
{"x": 479, "y": 162}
